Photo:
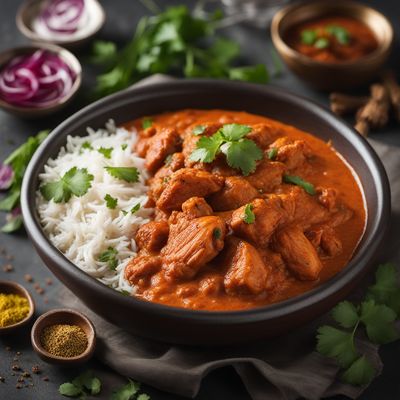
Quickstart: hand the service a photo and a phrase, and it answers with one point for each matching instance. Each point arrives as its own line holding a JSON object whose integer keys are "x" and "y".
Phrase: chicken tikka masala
{"x": 248, "y": 211}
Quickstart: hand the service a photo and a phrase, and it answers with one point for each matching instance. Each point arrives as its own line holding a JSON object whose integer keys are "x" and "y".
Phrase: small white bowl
{"x": 30, "y": 9}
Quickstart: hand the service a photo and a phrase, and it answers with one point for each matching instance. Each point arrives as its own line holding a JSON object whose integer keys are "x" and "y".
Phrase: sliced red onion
{"x": 6, "y": 176}
{"x": 62, "y": 16}
{"x": 36, "y": 80}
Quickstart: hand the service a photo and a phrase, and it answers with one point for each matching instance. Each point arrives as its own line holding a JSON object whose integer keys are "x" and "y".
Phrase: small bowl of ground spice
{"x": 64, "y": 337}
{"x": 16, "y": 307}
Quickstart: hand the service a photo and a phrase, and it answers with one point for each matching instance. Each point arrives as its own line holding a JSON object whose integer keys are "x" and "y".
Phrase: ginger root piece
{"x": 342, "y": 104}
{"x": 393, "y": 89}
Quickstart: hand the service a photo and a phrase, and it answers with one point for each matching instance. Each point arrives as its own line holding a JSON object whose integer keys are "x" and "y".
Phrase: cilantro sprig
{"x": 374, "y": 315}
{"x": 127, "y": 174}
{"x": 74, "y": 182}
{"x": 312, "y": 37}
{"x": 81, "y": 386}
{"x": 129, "y": 392}
{"x": 111, "y": 202}
{"x": 248, "y": 215}
{"x": 110, "y": 257}
{"x": 105, "y": 151}
{"x": 241, "y": 153}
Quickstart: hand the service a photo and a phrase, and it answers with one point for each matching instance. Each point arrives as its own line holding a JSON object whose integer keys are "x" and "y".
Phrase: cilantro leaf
{"x": 126, "y": 392}
{"x": 111, "y": 202}
{"x": 341, "y": 34}
{"x": 124, "y": 146}
{"x": 103, "y": 52}
{"x": 308, "y": 36}
{"x": 207, "y": 148}
{"x": 248, "y": 215}
{"x": 128, "y": 174}
{"x": 86, "y": 145}
{"x": 106, "y": 151}
{"x": 378, "y": 320}
{"x": 147, "y": 123}
{"x": 345, "y": 313}
{"x": 198, "y": 130}
{"x": 70, "y": 390}
{"x": 255, "y": 74}
{"x": 361, "y": 372}
{"x": 135, "y": 208}
{"x": 386, "y": 290}
{"x": 272, "y": 153}
{"x": 75, "y": 182}
{"x": 336, "y": 344}
{"x": 296, "y": 180}
{"x": 321, "y": 43}
{"x": 243, "y": 155}
{"x": 233, "y": 132}
{"x": 110, "y": 257}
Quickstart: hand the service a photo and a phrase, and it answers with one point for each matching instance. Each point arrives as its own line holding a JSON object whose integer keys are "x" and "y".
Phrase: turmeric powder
{"x": 13, "y": 308}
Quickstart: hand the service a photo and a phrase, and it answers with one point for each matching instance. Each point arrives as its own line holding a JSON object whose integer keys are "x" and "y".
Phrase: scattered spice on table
{"x": 28, "y": 278}
{"x": 13, "y": 308}
{"x": 49, "y": 281}
{"x": 36, "y": 369}
{"x": 63, "y": 340}
{"x": 8, "y": 268}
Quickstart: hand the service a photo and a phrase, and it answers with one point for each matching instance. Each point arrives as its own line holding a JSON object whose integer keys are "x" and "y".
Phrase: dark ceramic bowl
{"x": 179, "y": 325}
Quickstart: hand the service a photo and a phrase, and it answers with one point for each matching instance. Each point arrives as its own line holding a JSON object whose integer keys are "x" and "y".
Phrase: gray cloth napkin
{"x": 285, "y": 368}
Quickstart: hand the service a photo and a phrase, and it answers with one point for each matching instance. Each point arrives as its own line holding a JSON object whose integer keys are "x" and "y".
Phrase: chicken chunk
{"x": 152, "y": 236}
{"x": 267, "y": 218}
{"x": 191, "y": 244}
{"x": 299, "y": 254}
{"x": 267, "y": 176}
{"x": 328, "y": 198}
{"x": 141, "y": 268}
{"x": 235, "y": 193}
{"x": 292, "y": 153}
{"x": 330, "y": 243}
{"x": 247, "y": 273}
{"x": 263, "y": 134}
{"x": 186, "y": 183}
{"x": 196, "y": 207}
{"x": 160, "y": 146}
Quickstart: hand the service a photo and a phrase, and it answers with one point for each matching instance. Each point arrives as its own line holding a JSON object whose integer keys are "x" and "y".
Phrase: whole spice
{"x": 13, "y": 309}
{"x": 342, "y": 104}
{"x": 393, "y": 88}
{"x": 64, "y": 340}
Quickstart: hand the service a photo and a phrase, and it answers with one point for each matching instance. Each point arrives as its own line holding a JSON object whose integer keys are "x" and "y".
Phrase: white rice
{"x": 84, "y": 227}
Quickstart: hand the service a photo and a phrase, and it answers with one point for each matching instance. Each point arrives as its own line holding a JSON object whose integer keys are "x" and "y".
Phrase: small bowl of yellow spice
{"x": 16, "y": 307}
{"x": 63, "y": 336}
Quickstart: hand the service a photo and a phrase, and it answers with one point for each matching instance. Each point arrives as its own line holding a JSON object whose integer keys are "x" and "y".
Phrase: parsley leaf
{"x": 111, "y": 202}
{"x": 345, "y": 314}
{"x": 248, "y": 215}
{"x": 336, "y": 344}
{"x": 378, "y": 320}
{"x": 308, "y": 36}
{"x": 126, "y": 392}
{"x": 361, "y": 372}
{"x": 272, "y": 153}
{"x": 128, "y": 174}
{"x": 207, "y": 148}
{"x": 296, "y": 180}
{"x": 386, "y": 290}
{"x": 198, "y": 130}
{"x": 75, "y": 182}
{"x": 135, "y": 208}
{"x": 110, "y": 257}
{"x": 106, "y": 151}
{"x": 147, "y": 123}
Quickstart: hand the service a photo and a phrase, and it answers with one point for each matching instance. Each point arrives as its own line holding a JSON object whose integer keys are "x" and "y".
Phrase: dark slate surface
{"x": 122, "y": 16}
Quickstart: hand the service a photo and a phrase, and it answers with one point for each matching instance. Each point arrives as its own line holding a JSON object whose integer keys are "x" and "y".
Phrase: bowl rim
{"x": 32, "y": 35}
{"x": 382, "y": 49}
{"x": 252, "y": 315}
{"x": 28, "y": 296}
{"x": 63, "y": 53}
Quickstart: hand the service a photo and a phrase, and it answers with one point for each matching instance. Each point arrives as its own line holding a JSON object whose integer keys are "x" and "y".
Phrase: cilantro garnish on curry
{"x": 247, "y": 211}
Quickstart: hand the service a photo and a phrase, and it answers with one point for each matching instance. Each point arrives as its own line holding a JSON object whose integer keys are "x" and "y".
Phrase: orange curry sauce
{"x": 322, "y": 167}
{"x": 358, "y": 40}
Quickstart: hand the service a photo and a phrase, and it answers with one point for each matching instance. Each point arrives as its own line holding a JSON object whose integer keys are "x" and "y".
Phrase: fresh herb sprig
{"x": 312, "y": 37}
{"x": 248, "y": 215}
{"x": 241, "y": 153}
{"x": 173, "y": 41}
{"x": 83, "y": 385}
{"x": 127, "y": 174}
{"x": 110, "y": 256}
{"x": 375, "y": 314}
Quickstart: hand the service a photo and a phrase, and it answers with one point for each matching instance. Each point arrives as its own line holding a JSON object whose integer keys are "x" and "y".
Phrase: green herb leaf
{"x": 207, "y": 148}
{"x": 14, "y": 224}
{"x": 341, "y": 34}
{"x": 10, "y": 202}
{"x": 86, "y": 145}
{"x": 248, "y": 215}
{"x": 135, "y": 208}
{"x": 361, "y": 372}
{"x": 232, "y": 132}
{"x": 128, "y": 174}
{"x": 75, "y": 182}
{"x": 95, "y": 386}
{"x": 378, "y": 320}
{"x": 308, "y": 36}
{"x": 106, "y": 152}
{"x": 336, "y": 344}
{"x": 296, "y": 180}
{"x": 321, "y": 43}
{"x": 147, "y": 123}
{"x": 198, "y": 130}
{"x": 126, "y": 392}
{"x": 272, "y": 153}
{"x": 386, "y": 290}
{"x": 103, "y": 52}
{"x": 255, "y": 74}
{"x": 124, "y": 146}
{"x": 111, "y": 202}
{"x": 345, "y": 314}
{"x": 70, "y": 390}
{"x": 143, "y": 396}
{"x": 110, "y": 257}
{"x": 217, "y": 233}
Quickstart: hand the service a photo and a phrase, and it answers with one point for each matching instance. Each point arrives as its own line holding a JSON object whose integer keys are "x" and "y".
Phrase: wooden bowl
{"x": 328, "y": 75}
{"x": 68, "y": 317}
{"x": 37, "y": 112}
{"x": 9, "y": 287}
{"x": 30, "y": 9}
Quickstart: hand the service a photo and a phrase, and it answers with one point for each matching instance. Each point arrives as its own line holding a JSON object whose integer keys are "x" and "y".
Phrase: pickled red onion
{"x": 37, "y": 80}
